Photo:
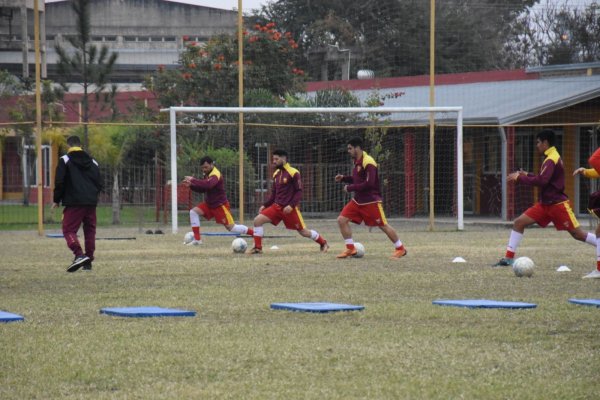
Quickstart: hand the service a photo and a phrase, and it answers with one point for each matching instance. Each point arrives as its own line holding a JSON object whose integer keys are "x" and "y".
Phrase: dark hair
{"x": 280, "y": 153}
{"x": 356, "y": 142}
{"x": 206, "y": 159}
{"x": 74, "y": 141}
{"x": 547, "y": 135}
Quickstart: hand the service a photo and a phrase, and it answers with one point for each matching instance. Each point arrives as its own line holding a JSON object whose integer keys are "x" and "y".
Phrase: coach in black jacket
{"x": 77, "y": 185}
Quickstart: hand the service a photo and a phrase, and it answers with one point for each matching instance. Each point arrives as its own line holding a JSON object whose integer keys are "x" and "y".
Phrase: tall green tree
{"x": 391, "y": 37}
{"x": 84, "y": 62}
{"x": 9, "y": 85}
{"x": 207, "y": 74}
{"x": 23, "y": 115}
{"x": 557, "y": 33}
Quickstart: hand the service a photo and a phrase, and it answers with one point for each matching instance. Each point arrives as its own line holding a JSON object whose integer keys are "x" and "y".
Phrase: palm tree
{"x": 85, "y": 62}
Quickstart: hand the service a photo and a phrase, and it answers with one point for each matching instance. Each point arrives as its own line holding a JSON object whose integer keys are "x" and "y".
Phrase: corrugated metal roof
{"x": 503, "y": 103}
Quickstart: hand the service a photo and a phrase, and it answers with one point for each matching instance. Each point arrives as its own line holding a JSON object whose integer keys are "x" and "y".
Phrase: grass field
{"x": 19, "y": 217}
{"x": 400, "y": 347}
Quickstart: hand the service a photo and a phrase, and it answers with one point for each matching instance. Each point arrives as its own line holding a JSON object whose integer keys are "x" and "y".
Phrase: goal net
{"x": 420, "y": 168}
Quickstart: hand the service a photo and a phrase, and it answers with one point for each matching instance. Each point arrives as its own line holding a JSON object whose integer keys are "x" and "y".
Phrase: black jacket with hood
{"x": 78, "y": 181}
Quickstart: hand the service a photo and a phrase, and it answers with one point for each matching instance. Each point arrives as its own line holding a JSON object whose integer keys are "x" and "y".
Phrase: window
{"x": 31, "y": 164}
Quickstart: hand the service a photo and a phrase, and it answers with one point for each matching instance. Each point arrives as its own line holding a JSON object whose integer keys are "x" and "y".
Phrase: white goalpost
{"x": 346, "y": 120}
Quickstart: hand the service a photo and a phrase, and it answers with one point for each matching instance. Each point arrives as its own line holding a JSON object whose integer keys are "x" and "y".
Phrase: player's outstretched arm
{"x": 587, "y": 172}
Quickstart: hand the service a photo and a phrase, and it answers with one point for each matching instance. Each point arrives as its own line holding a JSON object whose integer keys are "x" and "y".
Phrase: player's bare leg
{"x": 314, "y": 235}
{"x": 583, "y": 236}
{"x": 393, "y": 236}
{"x": 346, "y": 231}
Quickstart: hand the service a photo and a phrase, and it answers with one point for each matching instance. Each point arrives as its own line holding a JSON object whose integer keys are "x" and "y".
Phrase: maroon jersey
{"x": 287, "y": 187}
{"x": 213, "y": 186}
{"x": 364, "y": 181}
{"x": 551, "y": 178}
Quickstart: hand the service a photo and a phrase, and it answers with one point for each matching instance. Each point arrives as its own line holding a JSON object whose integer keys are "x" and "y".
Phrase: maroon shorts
{"x": 292, "y": 220}
{"x": 372, "y": 213}
{"x": 221, "y": 214}
{"x": 560, "y": 214}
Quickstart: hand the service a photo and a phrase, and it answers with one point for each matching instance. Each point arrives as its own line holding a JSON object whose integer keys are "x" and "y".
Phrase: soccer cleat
{"x": 77, "y": 263}
{"x": 504, "y": 262}
{"x": 347, "y": 253}
{"x": 255, "y": 250}
{"x": 324, "y": 247}
{"x": 87, "y": 266}
{"x": 194, "y": 243}
{"x": 595, "y": 274}
{"x": 399, "y": 254}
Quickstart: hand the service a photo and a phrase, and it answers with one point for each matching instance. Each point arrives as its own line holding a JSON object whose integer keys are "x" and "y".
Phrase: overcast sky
{"x": 247, "y": 5}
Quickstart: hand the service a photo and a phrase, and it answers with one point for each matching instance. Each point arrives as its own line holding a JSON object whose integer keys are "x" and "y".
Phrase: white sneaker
{"x": 595, "y": 274}
{"x": 195, "y": 243}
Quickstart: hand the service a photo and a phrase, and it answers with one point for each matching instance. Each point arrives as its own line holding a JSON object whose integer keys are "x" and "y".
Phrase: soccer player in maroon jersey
{"x": 366, "y": 203}
{"x": 594, "y": 206}
{"x": 283, "y": 204}
{"x": 215, "y": 204}
{"x": 553, "y": 205}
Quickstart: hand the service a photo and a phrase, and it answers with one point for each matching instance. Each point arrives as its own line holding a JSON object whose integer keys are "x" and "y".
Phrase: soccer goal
{"x": 420, "y": 169}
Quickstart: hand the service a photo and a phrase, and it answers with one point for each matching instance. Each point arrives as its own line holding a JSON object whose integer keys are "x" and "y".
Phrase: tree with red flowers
{"x": 207, "y": 74}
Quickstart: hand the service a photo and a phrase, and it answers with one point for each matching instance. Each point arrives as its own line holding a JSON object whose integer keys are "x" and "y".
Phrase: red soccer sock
{"x": 250, "y": 232}
{"x": 321, "y": 240}
{"x": 598, "y": 265}
{"x": 196, "y": 230}
{"x": 350, "y": 246}
{"x": 509, "y": 254}
{"x": 258, "y": 242}
{"x": 400, "y": 248}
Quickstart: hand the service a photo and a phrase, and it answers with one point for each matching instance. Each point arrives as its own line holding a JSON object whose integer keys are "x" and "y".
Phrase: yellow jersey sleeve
{"x": 591, "y": 173}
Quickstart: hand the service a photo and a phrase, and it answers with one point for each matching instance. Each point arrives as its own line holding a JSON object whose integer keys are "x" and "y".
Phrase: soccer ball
{"x": 360, "y": 250}
{"x": 523, "y": 266}
{"x": 188, "y": 238}
{"x": 239, "y": 245}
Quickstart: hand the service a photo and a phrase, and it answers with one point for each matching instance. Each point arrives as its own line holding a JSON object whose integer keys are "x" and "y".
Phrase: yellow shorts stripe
{"x": 383, "y": 219}
{"x": 571, "y": 214}
{"x": 227, "y": 215}
{"x": 299, "y": 214}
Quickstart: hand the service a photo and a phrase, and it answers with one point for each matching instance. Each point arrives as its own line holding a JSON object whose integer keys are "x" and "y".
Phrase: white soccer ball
{"x": 239, "y": 245}
{"x": 188, "y": 238}
{"x": 360, "y": 250}
{"x": 523, "y": 266}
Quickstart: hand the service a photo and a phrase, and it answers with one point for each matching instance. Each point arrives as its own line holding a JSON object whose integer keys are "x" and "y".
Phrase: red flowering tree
{"x": 207, "y": 74}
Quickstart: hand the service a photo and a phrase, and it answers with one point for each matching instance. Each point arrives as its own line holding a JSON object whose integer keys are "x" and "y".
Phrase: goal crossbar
{"x": 305, "y": 110}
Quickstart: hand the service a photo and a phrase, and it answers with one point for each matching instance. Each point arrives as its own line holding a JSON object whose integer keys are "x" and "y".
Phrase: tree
{"x": 557, "y": 33}
{"x": 85, "y": 63}
{"x": 391, "y": 37}
{"x": 9, "y": 85}
{"x": 207, "y": 75}
{"x": 23, "y": 115}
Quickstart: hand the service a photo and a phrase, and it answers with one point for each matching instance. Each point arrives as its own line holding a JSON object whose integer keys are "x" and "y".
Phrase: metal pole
{"x": 174, "y": 216}
{"x": 241, "y": 104}
{"x": 504, "y": 172}
{"x": 459, "y": 171}
{"x": 431, "y": 115}
{"x": 38, "y": 118}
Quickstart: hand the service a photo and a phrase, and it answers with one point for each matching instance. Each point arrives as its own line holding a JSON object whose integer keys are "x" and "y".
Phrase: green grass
{"x": 19, "y": 217}
{"x": 400, "y": 346}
